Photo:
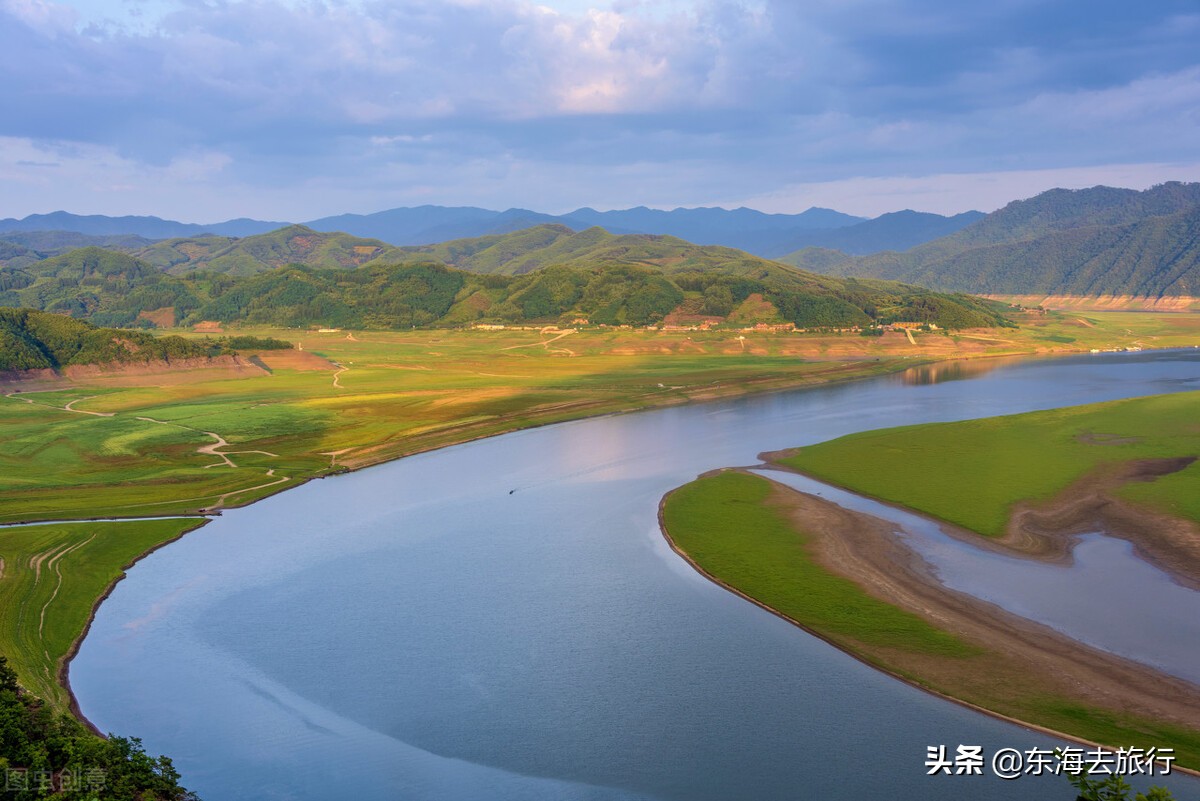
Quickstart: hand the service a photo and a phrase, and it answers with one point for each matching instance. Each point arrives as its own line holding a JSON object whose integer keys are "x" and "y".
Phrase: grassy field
{"x": 51, "y": 577}
{"x": 972, "y": 473}
{"x": 725, "y": 525}
{"x": 733, "y": 528}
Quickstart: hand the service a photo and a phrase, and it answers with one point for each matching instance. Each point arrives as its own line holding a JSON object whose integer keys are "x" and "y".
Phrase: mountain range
{"x": 768, "y": 235}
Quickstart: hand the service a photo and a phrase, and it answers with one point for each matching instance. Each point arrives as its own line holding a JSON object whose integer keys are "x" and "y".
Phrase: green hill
{"x": 103, "y": 286}
{"x": 294, "y": 244}
{"x": 556, "y": 245}
{"x": 546, "y": 273}
{"x": 1089, "y": 242}
{"x": 31, "y": 340}
{"x": 1156, "y": 257}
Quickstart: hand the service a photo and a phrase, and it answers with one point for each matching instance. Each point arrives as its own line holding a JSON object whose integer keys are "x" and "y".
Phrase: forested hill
{"x": 1090, "y": 241}
{"x": 32, "y": 340}
{"x": 294, "y": 244}
{"x": 592, "y": 275}
{"x": 1156, "y": 257}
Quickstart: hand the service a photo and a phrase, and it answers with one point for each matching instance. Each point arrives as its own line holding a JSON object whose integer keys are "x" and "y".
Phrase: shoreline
{"x": 902, "y": 558}
{"x": 894, "y": 367}
{"x": 64, "y": 666}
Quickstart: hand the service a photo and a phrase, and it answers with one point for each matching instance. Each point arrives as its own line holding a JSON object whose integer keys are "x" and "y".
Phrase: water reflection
{"x": 942, "y": 372}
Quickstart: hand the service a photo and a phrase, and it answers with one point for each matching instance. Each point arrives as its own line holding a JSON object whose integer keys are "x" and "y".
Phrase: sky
{"x": 205, "y": 110}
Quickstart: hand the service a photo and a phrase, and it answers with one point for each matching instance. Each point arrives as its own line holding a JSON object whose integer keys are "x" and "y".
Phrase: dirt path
{"x": 333, "y": 455}
{"x": 68, "y": 408}
{"x": 55, "y": 563}
{"x": 214, "y": 449}
{"x": 545, "y": 343}
{"x": 908, "y": 333}
{"x": 221, "y": 498}
{"x": 337, "y": 377}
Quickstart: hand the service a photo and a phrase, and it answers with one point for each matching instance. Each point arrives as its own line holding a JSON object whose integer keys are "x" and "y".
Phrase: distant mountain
{"x": 1090, "y": 241}
{"x": 744, "y": 228}
{"x": 431, "y": 224}
{"x": 768, "y": 235}
{"x": 147, "y": 227}
{"x": 899, "y": 230}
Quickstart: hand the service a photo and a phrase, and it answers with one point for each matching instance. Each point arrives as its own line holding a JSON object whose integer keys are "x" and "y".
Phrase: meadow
{"x": 973, "y": 473}
{"x": 724, "y": 524}
{"x": 53, "y": 575}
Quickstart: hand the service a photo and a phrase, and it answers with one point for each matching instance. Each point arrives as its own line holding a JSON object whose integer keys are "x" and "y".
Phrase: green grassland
{"x": 52, "y": 576}
{"x": 722, "y": 522}
{"x": 972, "y": 473}
{"x": 727, "y": 525}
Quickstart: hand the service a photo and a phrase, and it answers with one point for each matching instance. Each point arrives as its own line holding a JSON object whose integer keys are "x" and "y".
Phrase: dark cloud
{"x": 737, "y": 97}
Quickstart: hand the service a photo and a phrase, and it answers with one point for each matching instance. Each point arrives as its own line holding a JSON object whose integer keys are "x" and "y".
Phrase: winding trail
{"x": 55, "y": 563}
{"x": 67, "y": 408}
{"x": 337, "y": 377}
{"x": 545, "y": 343}
{"x": 221, "y": 498}
{"x": 213, "y": 449}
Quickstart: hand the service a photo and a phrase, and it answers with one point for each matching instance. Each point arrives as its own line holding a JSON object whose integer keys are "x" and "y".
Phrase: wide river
{"x": 503, "y": 620}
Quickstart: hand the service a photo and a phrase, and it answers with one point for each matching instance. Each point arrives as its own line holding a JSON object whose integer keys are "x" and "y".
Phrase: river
{"x": 503, "y": 620}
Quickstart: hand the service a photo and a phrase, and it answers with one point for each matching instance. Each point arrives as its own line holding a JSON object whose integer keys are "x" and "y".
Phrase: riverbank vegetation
{"x": 45, "y": 754}
{"x": 844, "y": 577}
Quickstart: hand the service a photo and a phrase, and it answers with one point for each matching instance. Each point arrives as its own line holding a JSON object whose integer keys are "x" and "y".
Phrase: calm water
{"x": 415, "y": 631}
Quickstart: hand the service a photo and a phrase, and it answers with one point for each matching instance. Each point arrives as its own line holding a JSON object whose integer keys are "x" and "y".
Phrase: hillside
{"x": 31, "y": 340}
{"x": 1156, "y": 257}
{"x": 563, "y": 276}
{"x": 1090, "y": 241}
{"x": 295, "y": 244}
{"x": 22, "y": 248}
{"x": 546, "y": 245}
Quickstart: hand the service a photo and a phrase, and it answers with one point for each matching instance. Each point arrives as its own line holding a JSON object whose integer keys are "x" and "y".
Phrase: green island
{"x": 844, "y": 577}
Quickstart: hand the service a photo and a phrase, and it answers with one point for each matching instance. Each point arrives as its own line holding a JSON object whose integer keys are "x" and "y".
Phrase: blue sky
{"x": 209, "y": 109}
